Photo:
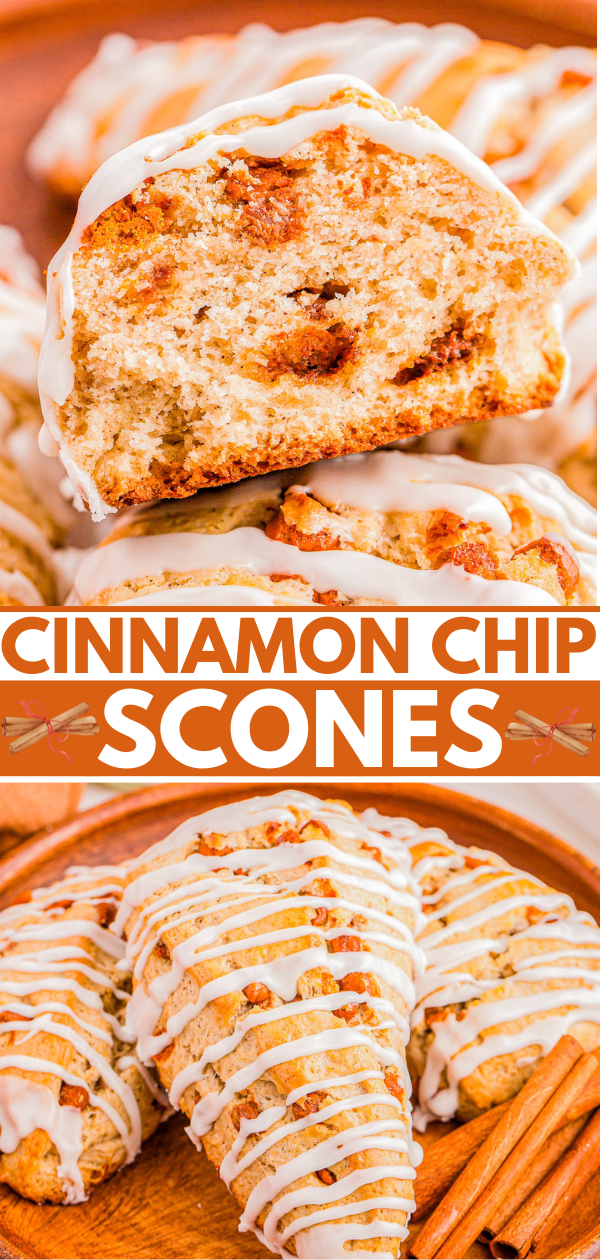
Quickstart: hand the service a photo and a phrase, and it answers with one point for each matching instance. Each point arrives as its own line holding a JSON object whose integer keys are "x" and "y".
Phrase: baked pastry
{"x": 381, "y": 528}
{"x": 22, "y": 318}
{"x": 529, "y": 113}
{"x": 272, "y": 949}
{"x": 75, "y": 1103}
{"x": 512, "y": 965}
{"x": 29, "y": 534}
{"x": 410, "y": 292}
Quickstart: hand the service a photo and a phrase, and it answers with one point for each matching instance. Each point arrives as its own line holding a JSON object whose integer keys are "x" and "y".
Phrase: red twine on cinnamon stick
{"x": 50, "y": 728}
{"x": 558, "y": 721}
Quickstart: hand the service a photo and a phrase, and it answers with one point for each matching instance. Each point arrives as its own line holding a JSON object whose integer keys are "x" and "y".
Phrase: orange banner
{"x": 306, "y": 729}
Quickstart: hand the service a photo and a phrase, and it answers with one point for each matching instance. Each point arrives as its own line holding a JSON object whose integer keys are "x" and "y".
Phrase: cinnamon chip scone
{"x": 273, "y": 956}
{"x": 529, "y": 113}
{"x": 29, "y": 534}
{"x": 301, "y": 274}
{"x": 381, "y": 528}
{"x": 75, "y": 1102}
{"x": 512, "y": 965}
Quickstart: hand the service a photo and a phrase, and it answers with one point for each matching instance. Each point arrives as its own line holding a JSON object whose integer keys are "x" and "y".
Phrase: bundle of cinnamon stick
{"x": 507, "y": 1176}
{"x": 571, "y": 735}
{"x": 24, "y": 731}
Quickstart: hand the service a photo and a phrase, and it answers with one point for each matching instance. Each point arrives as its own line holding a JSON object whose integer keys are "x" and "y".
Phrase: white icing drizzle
{"x": 382, "y": 481}
{"x": 194, "y": 886}
{"x": 457, "y": 1047}
{"x": 122, "y": 173}
{"x": 22, "y": 312}
{"x": 25, "y": 1107}
{"x": 395, "y": 481}
{"x": 49, "y": 969}
{"x": 201, "y": 596}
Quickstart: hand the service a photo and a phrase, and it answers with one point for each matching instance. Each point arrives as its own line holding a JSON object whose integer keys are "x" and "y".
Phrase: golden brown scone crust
{"x": 222, "y": 1015}
{"x": 34, "y": 1168}
{"x": 518, "y": 910}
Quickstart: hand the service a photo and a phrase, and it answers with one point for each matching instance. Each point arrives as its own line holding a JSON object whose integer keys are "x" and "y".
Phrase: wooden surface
{"x": 170, "y": 1202}
{"x": 43, "y": 44}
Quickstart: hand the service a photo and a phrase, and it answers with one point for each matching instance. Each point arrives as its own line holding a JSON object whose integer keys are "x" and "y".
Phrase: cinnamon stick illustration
{"x": 578, "y": 730}
{"x": 544, "y": 728}
{"x": 12, "y": 727}
{"x": 42, "y": 729}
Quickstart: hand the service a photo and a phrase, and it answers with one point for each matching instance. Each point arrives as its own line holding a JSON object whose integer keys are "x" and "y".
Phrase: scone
{"x": 512, "y": 965}
{"x": 301, "y": 274}
{"x": 29, "y": 534}
{"x": 75, "y": 1102}
{"x": 22, "y": 318}
{"x": 273, "y": 957}
{"x": 381, "y": 528}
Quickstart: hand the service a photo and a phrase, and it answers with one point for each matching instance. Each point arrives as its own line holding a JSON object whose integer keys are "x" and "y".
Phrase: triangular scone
{"x": 273, "y": 955}
{"x": 75, "y": 1102}
{"x": 512, "y": 966}
{"x": 303, "y": 274}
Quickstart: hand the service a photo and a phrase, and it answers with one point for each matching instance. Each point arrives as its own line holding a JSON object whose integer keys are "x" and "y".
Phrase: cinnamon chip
{"x": 73, "y": 1096}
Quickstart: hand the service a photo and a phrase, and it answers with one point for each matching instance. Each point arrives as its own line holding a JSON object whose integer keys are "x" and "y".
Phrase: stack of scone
{"x": 307, "y": 274}
{"x": 263, "y": 965}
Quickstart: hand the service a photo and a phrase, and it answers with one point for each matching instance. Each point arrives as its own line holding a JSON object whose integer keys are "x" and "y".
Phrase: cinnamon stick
{"x": 39, "y": 732}
{"x": 543, "y": 728}
{"x": 521, "y": 731}
{"x": 521, "y": 1155}
{"x": 528, "y": 1230}
{"x": 12, "y": 727}
{"x": 443, "y": 1162}
{"x": 551, "y": 1152}
{"x": 496, "y": 1148}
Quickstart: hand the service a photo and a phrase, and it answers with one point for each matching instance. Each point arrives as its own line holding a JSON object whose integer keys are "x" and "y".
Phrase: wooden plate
{"x": 44, "y": 43}
{"x": 171, "y": 1201}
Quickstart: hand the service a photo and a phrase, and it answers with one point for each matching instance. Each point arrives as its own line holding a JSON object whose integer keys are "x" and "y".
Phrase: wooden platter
{"x": 44, "y": 43}
{"x": 170, "y": 1202}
